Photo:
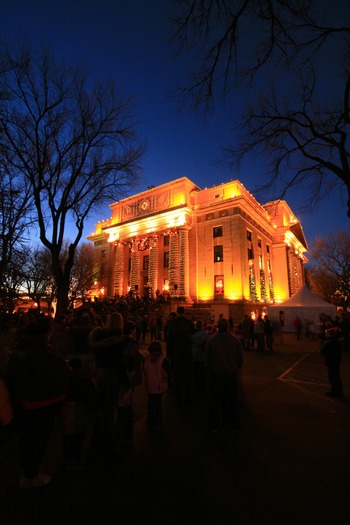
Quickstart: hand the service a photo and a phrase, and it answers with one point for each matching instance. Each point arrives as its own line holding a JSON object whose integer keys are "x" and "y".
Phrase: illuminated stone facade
{"x": 197, "y": 245}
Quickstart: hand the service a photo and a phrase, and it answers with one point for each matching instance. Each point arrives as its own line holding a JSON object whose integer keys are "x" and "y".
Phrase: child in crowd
{"x": 157, "y": 372}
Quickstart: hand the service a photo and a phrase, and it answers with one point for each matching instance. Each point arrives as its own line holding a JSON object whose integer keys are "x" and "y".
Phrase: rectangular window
{"x": 218, "y": 253}
{"x": 166, "y": 260}
{"x": 145, "y": 262}
{"x": 268, "y": 248}
{"x": 250, "y": 254}
{"x": 103, "y": 254}
{"x": 166, "y": 240}
{"x": 249, "y": 235}
{"x": 259, "y": 243}
{"x": 260, "y": 262}
{"x": 219, "y": 284}
{"x": 217, "y": 231}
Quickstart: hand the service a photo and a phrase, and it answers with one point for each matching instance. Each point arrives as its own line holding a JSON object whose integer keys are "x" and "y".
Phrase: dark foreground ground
{"x": 289, "y": 464}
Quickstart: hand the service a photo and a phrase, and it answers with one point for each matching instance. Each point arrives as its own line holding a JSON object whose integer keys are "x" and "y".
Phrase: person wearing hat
{"x": 332, "y": 351}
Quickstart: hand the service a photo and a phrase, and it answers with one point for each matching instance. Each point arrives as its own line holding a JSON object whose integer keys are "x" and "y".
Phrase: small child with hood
{"x": 156, "y": 369}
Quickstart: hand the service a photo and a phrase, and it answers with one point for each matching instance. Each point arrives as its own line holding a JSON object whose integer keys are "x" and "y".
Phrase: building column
{"x": 153, "y": 266}
{"x": 119, "y": 269}
{"x": 184, "y": 266}
{"x": 295, "y": 271}
{"x": 173, "y": 270}
{"x": 135, "y": 267}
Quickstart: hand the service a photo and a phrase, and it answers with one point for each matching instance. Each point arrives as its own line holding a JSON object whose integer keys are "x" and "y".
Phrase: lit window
{"x": 218, "y": 253}
{"x": 219, "y": 284}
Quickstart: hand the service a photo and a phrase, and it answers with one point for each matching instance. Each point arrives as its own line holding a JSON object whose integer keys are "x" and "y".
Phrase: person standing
{"x": 247, "y": 327}
{"x": 259, "y": 333}
{"x": 105, "y": 344}
{"x": 153, "y": 328}
{"x": 132, "y": 365}
{"x": 199, "y": 338}
{"x": 179, "y": 345}
{"x": 223, "y": 360}
{"x": 38, "y": 381}
{"x": 298, "y": 325}
{"x": 156, "y": 371}
{"x": 268, "y": 333}
{"x": 332, "y": 353}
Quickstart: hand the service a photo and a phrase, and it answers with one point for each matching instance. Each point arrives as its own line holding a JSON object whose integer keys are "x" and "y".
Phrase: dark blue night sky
{"x": 129, "y": 40}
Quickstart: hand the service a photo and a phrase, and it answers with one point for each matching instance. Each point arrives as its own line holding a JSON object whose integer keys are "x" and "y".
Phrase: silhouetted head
{"x": 180, "y": 310}
{"x": 115, "y": 321}
{"x": 222, "y": 325}
{"x": 155, "y": 347}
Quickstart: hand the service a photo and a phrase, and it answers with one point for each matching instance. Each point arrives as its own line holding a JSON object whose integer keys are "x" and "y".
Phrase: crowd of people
{"x": 83, "y": 368}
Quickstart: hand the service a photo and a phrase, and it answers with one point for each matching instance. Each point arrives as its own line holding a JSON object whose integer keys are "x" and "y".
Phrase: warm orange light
{"x": 205, "y": 292}
{"x": 179, "y": 198}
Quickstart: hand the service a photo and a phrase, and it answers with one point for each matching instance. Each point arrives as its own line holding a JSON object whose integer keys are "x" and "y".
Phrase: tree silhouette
{"x": 72, "y": 140}
{"x": 291, "y": 61}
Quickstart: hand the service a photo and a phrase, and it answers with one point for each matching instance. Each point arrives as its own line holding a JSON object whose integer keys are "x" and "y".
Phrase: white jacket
{"x": 156, "y": 378}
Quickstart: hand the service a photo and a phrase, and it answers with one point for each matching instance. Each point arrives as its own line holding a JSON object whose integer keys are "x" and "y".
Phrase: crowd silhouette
{"x": 83, "y": 367}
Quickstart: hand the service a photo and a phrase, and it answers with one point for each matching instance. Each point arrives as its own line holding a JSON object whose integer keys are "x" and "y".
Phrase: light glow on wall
{"x": 179, "y": 198}
{"x": 176, "y": 220}
{"x": 205, "y": 292}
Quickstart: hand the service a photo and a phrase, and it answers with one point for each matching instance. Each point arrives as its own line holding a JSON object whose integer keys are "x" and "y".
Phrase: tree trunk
{"x": 62, "y": 297}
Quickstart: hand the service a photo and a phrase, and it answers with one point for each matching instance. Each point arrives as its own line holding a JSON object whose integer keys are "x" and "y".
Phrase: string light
{"x": 119, "y": 269}
{"x": 173, "y": 270}
{"x": 153, "y": 266}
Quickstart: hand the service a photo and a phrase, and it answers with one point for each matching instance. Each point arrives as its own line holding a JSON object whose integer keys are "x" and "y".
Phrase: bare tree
{"x": 299, "y": 129}
{"x": 72, "y": 139}
{"x": 38, "y": 280}
{"x": 15, "y": 222}
{"x": 330, "y": 273}
{"x": 84, "y": 272}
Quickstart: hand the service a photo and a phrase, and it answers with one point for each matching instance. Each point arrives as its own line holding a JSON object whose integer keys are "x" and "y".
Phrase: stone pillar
{"x": 119, "y": 269}
{"x": 173, "y": 270}
{"x": 184, "y": 264}
{"x": 135, "y": 267}
{"x": 153, "y": 266}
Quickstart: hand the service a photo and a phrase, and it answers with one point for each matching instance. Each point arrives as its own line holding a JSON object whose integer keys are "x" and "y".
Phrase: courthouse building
{"x": 212, "y": 245}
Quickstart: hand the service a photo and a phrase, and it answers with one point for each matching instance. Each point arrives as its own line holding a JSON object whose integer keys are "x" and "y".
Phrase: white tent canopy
{"x": 303, "y": 304}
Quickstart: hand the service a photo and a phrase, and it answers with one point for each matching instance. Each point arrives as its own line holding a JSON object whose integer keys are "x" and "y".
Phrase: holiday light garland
{"x": 272, "y": 292}
{"x": 134, "y": 266}
{"x": 295, "y": 271}
{"x": 184, "y": 263}
{"x": 173, "y": 271}
{"x": 119, "y": 269}
{"x": 153, "y": 266}
{"x": 252, "y": 286}
{"x": 263, "y": 291}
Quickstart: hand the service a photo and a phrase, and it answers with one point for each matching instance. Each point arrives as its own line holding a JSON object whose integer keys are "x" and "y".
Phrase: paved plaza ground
{"x": 289, "y": 464}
